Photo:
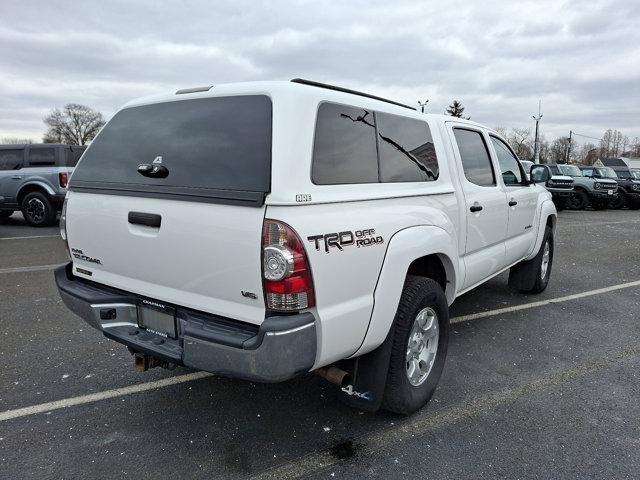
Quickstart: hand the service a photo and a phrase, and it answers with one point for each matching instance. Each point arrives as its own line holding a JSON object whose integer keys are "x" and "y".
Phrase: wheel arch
{"x": 33, "y": 187}
{"x": 427, "y": 251}
{"x": 548, "y": 218}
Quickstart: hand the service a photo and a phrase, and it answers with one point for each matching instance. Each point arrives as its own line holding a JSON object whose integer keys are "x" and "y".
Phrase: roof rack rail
{"x": 348, "y": 90}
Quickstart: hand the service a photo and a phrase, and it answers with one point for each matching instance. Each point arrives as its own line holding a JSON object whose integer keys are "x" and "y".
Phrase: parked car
{"x": 526, "y": 164}
{"x": 560, "y": 186}
{"x": 628, "y": 188}
{"x": 33, "y": 179}
{"x": 588, "y": 191}
{"x": 263, "y": 230}
{"x": 604, "y": 183}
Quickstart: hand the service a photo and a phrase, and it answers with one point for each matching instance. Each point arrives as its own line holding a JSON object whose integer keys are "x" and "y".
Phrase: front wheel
{"x": 578, "y": 200}
{"x": 533, "y": 275}
{"x": 419, "y": 349}
{"x": 618, "y": 202}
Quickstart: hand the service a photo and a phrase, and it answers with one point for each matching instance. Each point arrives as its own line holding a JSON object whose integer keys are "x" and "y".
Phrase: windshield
{"x": 626, "y": 174}
{"x": 607, "y": 172}
{"x": 207, "y": 146}
{"x": 570, "y": 170}
{"x": 555, "y": 170}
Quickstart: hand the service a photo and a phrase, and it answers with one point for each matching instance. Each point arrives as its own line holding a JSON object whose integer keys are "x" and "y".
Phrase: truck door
{"x": 486, "y": 206}
{"x": 10, "y": 175}
{"x": 522, "y": 200}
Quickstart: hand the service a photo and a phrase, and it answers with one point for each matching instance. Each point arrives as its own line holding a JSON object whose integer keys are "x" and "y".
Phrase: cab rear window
{"x": 209, "y": 146}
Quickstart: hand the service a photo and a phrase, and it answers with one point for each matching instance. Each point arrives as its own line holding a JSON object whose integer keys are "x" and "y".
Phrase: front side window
{"x": 509, "y": 165}
{"x": 406, "y": 150}
{"x": 11, "y": 159}
{"x": 40, "y": 157}
{"x": 476, "y": 162}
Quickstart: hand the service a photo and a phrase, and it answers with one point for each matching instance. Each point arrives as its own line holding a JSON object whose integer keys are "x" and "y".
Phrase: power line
{"x": 587, "y": 136}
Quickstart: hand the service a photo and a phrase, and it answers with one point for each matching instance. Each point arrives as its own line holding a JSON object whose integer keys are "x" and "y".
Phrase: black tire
{"x": 600, "y": 205}
{"x": 619, "y": 202}
{"x": 527, "y": 277}
{"x": 561, "y": 203}
{"x": 38, "y": 210}
{"x": 418, "y": 294}
{"x": 634, "y": 206}
{"x": 578, "y": 200}
{"x": 4, "y": 214}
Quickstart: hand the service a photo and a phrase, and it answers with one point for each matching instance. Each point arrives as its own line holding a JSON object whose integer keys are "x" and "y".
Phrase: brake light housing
{"x": 63, "y": 179}
{"x": 286, "y": 273}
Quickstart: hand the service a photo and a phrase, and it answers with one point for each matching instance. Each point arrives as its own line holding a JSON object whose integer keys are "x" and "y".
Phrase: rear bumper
{"x": 281, "y": 348}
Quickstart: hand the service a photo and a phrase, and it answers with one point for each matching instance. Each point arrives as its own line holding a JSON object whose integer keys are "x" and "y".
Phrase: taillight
{"x": 288, "y": 284}
{"x": 63, "y": 225}
{"x": 63, "y": 178}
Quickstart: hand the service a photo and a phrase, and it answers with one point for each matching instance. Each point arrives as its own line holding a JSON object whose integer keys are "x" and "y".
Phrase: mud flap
{"x": 366, "y": 391}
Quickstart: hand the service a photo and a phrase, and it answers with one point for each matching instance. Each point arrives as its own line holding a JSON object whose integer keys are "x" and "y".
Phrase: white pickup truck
{"x": 264, "y": 230}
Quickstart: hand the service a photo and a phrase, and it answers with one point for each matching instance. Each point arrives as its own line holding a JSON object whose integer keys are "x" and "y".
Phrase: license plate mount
{"x": 157, "y": 318}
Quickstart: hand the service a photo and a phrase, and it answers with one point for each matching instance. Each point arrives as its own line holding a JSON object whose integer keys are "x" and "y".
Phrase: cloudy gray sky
{"x": 498, "y": 57}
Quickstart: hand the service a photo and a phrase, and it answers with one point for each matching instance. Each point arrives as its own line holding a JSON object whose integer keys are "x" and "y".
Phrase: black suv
{"x": 628, "y": 188}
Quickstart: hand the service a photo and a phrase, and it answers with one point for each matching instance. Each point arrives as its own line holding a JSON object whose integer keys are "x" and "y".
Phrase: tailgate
{"x": 203, "y": 255}
{"x": 168, "y": 202}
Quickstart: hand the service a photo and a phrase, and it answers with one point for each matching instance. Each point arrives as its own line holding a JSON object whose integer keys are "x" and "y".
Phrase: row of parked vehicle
{"x": 578, "y": 186}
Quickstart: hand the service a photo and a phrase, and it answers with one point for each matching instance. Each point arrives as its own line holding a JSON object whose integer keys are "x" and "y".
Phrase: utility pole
{"x": 423, "y": 104}
{"x": 569, "y": 147}
{"x": 536, "y": 146}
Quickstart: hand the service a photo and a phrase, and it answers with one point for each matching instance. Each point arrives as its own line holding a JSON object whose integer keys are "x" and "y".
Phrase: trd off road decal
{"x": 339, "y": 240}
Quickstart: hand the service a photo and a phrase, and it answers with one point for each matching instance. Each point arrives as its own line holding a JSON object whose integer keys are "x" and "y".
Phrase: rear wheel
{"x": 38, "y": 210}
{"x": 421, "y": 336}
{"x": 578, "y": 200}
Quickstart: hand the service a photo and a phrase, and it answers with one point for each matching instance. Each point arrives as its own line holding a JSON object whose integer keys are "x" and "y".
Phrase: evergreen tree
{"x": 456, "y": 110}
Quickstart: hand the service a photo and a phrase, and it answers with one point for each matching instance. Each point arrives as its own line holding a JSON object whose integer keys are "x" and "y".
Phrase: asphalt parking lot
{"x": 530, "y": 390}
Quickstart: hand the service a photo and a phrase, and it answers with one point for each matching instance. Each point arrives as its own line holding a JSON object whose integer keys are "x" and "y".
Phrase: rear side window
{"x": 208, "y": 146}
{"x": 475, "y": 157}
{"x": 11, "y": 159}
{"x": 72, "y": 155}
{"x": 344, "y": 150}
{"x": 354, "y": 145}
{"x": 406, "y": 148}
{"x": 41, "y": 157}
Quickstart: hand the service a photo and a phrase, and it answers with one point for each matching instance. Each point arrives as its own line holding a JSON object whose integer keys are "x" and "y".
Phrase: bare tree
{"x": 521, "y": 141}
{"x": 16, "y": 140}
{"x": 75, "y": 124}
{"x": 558, "y": 151}
{"x": 502, "y": 131}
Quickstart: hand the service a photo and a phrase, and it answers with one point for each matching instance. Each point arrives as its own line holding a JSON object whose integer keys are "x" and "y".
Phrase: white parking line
{"x": 27, "y": 238}
{"x": 541, "y": 303}
{"x": 34, "y": 268}
{"x": 142, "y": 387}
{"x": 95, "y": 397}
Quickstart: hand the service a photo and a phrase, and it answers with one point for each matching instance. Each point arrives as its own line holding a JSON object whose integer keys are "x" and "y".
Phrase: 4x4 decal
{"x": 360, "y": 238}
